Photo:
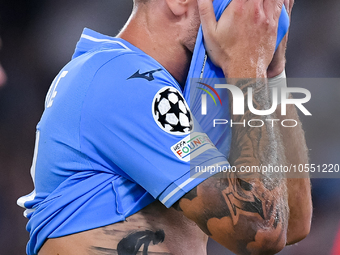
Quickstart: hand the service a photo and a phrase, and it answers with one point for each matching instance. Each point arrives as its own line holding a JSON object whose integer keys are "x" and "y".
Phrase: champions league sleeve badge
{"x": 171, "y": 112}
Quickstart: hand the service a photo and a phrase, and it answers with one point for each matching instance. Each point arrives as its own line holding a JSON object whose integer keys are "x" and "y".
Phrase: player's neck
{"x": 161, "y": 42}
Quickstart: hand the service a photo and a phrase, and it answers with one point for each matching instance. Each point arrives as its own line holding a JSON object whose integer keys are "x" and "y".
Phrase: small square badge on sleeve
{"x": 191, "y": 146}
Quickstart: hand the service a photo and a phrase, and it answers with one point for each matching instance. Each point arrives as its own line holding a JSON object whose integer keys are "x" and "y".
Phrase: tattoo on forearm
{"x": 238, "y": 199}
{"x": 252, "y": 202}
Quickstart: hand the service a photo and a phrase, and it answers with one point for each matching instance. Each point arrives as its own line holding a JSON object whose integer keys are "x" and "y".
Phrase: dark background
{"x": 39, "y": 38}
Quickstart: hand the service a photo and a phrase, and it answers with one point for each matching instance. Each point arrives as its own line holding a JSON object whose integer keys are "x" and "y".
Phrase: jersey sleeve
{"x": 136, "y": 123}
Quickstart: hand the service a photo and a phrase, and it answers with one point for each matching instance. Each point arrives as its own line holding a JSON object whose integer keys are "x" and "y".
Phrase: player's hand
{"x": 279, "y": 60}
{"x": 243, "y": 41}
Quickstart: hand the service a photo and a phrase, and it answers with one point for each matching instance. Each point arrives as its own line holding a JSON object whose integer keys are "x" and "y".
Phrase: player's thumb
{"x": 207, "y": 16}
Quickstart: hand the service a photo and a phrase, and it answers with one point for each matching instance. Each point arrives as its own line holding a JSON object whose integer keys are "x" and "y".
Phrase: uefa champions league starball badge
{"x": 171, "y": 112}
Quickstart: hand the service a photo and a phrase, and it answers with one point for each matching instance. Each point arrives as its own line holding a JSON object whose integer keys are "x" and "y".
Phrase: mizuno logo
{"x": 147, "y": 75}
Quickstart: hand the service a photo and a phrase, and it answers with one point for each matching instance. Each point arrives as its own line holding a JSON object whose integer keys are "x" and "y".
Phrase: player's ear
{"x": 178, "y": 7}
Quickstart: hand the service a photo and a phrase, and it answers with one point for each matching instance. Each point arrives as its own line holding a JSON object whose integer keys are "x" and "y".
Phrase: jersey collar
{"x": 90, "y": 40}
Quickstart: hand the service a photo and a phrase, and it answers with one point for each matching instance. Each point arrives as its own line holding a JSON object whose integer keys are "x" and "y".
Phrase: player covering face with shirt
{"x": 110, "y": 145}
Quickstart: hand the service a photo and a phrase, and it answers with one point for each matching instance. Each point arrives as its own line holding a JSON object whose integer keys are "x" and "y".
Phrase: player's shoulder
{"x": 120, "y": 67}
{"x": 116, "y": 58}
{"x": 129, "y": 74}
{"x": 134, "y": 68}
{"x": 111, "y": 60}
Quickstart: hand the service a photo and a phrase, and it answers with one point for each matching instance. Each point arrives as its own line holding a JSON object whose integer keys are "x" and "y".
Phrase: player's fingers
{"x": 289, "y": 6}
{"x": 207, "y": 15}
{"x": 286, "y": 3}
{"x": 272, "y": 8}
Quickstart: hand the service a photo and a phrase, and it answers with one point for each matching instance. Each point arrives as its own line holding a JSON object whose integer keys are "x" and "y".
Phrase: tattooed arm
{"x": 246, "y": 214}
{"x": 298, "y": 186}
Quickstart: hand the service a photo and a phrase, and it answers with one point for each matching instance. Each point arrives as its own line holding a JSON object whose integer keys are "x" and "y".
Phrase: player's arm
{"x": 247, "y": 214}
{"x": 298, "y": 187}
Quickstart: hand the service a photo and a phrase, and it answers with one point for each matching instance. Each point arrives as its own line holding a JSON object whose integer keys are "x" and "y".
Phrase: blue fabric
{"x": 101, "y": 154}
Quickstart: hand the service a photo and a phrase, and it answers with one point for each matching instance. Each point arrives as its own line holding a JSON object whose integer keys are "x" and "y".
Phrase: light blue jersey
{"x": 116, "y": 135}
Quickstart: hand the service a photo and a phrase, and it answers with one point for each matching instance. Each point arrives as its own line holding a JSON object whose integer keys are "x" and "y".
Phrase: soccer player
{"x": 117, "y": 147}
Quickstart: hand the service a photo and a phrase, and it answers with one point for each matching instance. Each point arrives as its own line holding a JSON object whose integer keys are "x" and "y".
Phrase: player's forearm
{"x": 256, "y": 146}
{"x": 248, "y": 214}
{"x": 259, "y": 143}
{"x": 299, "y": 190}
